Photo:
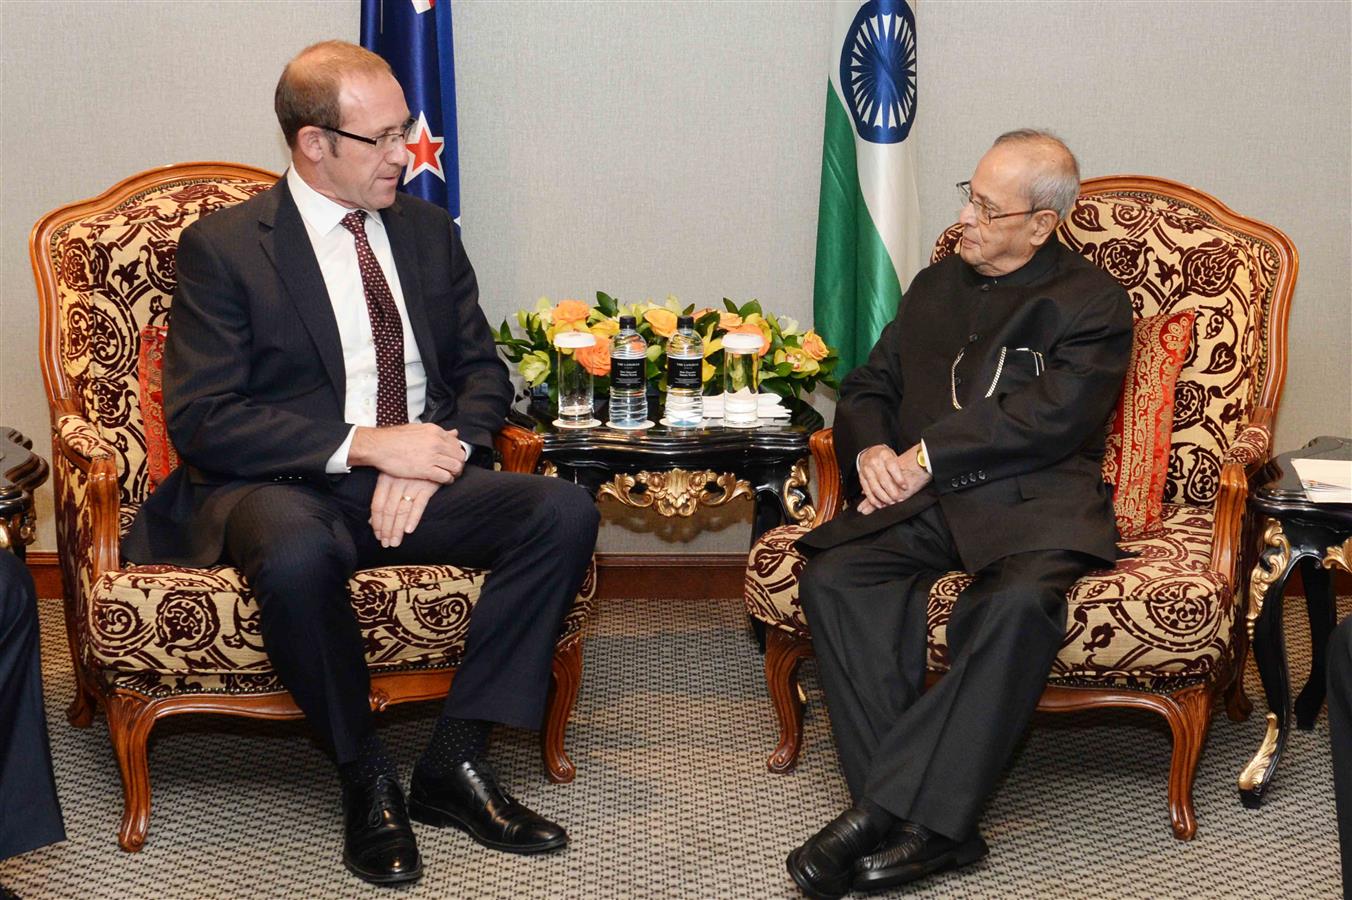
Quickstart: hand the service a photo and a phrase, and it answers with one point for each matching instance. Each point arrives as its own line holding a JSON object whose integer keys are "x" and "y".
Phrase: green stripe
{"x": 856, "y": 290}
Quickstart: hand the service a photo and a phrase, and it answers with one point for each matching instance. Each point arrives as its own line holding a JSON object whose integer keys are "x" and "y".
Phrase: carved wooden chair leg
{"x": 1188, "y": 713}
{"x": 130, "y": 718}
{"x": 783, "y": 653}
{"x": 80, "y": 713}
{"x": 563, "y": 691}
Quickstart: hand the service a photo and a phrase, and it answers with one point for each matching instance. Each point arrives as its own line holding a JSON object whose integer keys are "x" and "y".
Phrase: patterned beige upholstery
{"x": 150, "y": 641}
{"x": 1163, "y": 629}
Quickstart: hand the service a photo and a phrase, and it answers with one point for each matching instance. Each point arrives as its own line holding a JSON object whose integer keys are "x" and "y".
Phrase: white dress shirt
{"x": 336, "y": 250}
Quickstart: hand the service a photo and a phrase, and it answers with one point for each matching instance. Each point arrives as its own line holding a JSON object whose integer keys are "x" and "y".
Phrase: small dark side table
{"x": 21, "y": 473}
{"x": 1318, "y": 536}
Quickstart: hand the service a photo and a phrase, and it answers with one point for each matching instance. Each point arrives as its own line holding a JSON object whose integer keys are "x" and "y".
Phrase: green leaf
{"x": 732, "y": 307}
{"x": 607, "y": 304}
{"x": 751, "y": 306}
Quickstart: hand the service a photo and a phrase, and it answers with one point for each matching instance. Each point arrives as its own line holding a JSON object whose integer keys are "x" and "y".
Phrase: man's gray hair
{"x": 1056, "y": 183}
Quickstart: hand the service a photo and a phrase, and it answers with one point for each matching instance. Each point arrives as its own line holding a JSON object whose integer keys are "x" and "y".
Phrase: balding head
{"x": 308, "y": 91}
{"x": 1053, "y": 175}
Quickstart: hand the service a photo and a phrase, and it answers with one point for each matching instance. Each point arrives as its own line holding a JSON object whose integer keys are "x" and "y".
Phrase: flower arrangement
{"x": 793, "y": 361}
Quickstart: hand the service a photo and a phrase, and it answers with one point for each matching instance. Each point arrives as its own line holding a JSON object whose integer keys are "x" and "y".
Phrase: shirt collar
{"x": 320, "y": 213}
{"x": 1040, "y": 264}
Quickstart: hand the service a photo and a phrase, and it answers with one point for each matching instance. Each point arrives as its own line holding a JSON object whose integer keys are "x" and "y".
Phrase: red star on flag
{"x": 424, "y": 151}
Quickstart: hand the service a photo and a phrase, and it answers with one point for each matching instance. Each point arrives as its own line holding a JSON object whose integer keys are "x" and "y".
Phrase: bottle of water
{"x": 628, "y": 384}
{"x": 685, "y": 384}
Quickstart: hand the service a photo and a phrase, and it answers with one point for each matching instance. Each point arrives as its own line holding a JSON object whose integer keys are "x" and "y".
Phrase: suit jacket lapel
{"x": 404, "y": 246}
{"x": 287, "y": 244}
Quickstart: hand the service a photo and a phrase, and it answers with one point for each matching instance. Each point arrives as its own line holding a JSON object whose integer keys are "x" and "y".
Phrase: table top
{"x": 1281, "y": 495}
{"x": 663, "y": 443}
{"x": 21, "y": 470}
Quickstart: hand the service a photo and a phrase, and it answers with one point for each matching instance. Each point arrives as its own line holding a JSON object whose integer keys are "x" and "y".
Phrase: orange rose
{"x": 728, "y": 321}
{"x": 814, "y": 346}
{"x": 570, "y": 312}
{"x": 595, "y": 359}
{"x": 752, "y": 328}
{"x": 663, "y": 321}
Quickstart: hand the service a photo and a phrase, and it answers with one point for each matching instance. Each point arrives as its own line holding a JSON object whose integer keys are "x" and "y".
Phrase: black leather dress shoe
{"x": 471, "y": 800}
{"x": 824, "y": 866}
{"x": 913, "y": 851}
{"x": 378, "y": 845}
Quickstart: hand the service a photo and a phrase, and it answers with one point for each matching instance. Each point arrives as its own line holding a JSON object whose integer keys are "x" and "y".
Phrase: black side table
{"x": 674, "y": 471}
{"x": 1318, "y": 536}
{"x": 21, "y": 473}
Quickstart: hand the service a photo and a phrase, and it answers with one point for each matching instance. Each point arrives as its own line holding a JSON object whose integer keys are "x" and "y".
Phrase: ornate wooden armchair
{"x": 1163, "y": 630}
{"x": 154, "y": 641}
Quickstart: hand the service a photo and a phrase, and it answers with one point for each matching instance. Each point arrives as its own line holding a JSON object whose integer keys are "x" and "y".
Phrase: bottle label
{"x": 684, "y": 373}
{"x": 627, "y": 374}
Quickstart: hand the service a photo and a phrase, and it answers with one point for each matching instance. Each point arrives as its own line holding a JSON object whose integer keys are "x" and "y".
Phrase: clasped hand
{"x": 414, "y": 461}
{"x": 888, "y": 478}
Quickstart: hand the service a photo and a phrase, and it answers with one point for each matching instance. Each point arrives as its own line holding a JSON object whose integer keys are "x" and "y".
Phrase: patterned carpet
{"x": 672, "y": 797}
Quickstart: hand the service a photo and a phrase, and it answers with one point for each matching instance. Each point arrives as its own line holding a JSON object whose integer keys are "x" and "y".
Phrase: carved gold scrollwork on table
{"x": 1339, "y": 555}
{"x": 1252, "y": 776}
{"x": 547, "y": 469}
{"x": 796, "y": 499}
{"x": 675, "y": 492}
{"x": 1266, "y": 571}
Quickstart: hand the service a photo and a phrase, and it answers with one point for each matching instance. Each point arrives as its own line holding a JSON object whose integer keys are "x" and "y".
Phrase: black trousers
{"x": 1340, "y": 735}
{"x": 30, "y": 815}
{"x": 932, "y": 757}
{"x": 299, "y": 544}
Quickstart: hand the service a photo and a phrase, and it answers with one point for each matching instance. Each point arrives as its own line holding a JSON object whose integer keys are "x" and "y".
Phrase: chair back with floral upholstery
{"x": 1175, "y": 248}
{"x": 105, "y": 270}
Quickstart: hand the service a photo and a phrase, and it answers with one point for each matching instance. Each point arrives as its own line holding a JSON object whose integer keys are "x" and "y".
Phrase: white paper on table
{"x": 768, "y": 406}
{"x": 1325, "y": 480}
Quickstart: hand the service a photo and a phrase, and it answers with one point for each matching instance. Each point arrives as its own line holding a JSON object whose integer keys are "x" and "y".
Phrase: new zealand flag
{"x": 414, "y": 36}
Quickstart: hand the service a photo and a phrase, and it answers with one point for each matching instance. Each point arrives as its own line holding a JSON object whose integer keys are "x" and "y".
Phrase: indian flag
{"x": 868, "y": 239}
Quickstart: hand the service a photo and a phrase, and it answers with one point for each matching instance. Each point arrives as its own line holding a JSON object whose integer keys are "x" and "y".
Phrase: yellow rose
{"x": 605, "y": 329}
{"x": 569, "y": 312}
{"x": 814, "y": 346}
{"x": 728, "y": 321}
{"x": 663, "y": 321}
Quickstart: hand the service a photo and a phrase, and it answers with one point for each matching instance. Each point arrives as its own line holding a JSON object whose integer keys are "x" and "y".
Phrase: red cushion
{"x": 161, "y": 457}
{"x": 1139, "y": 438}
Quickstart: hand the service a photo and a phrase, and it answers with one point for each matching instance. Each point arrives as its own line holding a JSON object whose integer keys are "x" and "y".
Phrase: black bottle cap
{"x": 685, "y": 321}
{"x": 628, "y": 322}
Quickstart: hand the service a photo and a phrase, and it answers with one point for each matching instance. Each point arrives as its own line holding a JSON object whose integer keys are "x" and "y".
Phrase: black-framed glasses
{"x": 984, "y": 212}
{"x": 382, "y": 142}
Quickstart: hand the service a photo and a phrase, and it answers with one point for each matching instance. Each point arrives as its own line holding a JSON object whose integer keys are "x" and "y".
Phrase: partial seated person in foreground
{"x": 333, "y": 388}
{"x": 30, "y": 816}
{"x": 971, "y": 440}
{"x": 1340, "y": 735}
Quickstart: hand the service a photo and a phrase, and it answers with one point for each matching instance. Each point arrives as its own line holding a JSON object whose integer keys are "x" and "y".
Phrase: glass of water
{"x": 741, "y": 374}
{"x": 575, "y": 382}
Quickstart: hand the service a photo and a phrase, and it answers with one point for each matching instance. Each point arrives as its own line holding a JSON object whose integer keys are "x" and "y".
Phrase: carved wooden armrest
{"x": 92, "y": 488}
{"x": 1252, "y": 447}
{"x": 822, "y": 446}
{"x": 519, "y": 448}
{"x": 1248, "y": 452}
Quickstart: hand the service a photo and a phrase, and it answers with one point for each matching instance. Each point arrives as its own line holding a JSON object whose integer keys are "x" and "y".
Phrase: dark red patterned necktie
{"x": 387, "y": 330}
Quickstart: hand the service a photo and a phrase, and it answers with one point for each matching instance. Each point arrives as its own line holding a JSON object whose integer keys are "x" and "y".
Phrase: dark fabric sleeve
{"x": 1053, "y": 416}
{"x": 213, "y": 421}
{"x": 870, "y": 398}
{"x": 480, "y": 389}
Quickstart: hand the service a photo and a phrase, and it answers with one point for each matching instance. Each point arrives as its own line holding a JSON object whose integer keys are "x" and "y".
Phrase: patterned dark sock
{"x": 371, "y": 761}
{"x": 453, "y": 741}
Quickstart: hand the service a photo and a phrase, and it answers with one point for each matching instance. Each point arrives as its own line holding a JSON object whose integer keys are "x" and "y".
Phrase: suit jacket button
{"x": 981, "y": 475}
{"x": 954, "y": 482}
{"x": 972, "y": 338}
{"x": 985, "y": 287}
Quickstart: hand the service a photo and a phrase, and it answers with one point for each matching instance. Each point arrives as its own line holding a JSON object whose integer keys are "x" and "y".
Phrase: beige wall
{"x": 646, "y": 149}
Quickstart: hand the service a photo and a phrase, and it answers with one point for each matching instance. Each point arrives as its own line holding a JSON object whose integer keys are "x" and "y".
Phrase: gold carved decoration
{"x": 19, "y": 530}
{"x": 547, "y": 469}
{"x": 1339, "y": 556}
{"x": 1266, "y": 571}
{"x": 1252, "y": 776}
{"x": 796, "y": 500}
{"x": 675, "y": 492}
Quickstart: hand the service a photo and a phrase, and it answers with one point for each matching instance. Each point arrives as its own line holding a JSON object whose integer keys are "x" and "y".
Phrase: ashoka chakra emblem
{"x": 877, "y": 71}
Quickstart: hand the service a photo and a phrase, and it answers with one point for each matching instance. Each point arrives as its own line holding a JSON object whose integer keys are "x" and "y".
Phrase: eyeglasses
{"x": 382, "y": 142}
{"x": 983, "y": 212}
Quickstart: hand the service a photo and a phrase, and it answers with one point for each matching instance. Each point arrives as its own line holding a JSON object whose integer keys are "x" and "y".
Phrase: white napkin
{"x": 768, "y": 406}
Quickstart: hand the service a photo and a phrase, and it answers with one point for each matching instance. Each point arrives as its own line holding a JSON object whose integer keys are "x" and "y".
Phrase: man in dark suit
{"x": 333, "y": 388}
{"x": 971, "y": 439}
{"x": 30, "y": 815}
{"x": 1340, "y": 739}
